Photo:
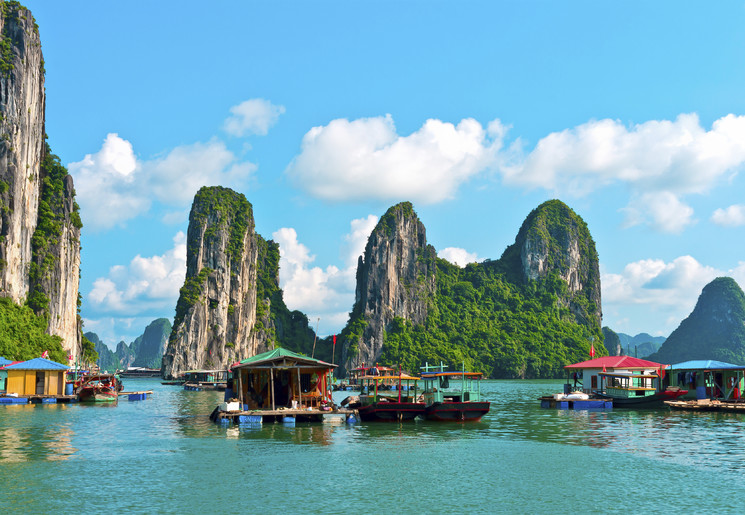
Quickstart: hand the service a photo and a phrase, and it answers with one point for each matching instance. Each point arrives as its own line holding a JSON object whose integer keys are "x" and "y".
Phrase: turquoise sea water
{"x": 163, "y": 455}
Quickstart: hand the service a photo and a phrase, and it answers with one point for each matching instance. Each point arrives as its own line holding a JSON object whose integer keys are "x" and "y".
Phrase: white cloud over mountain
{"x": 460, "y": 257}
{"x": 145, "y": 284}
{"x": 327, "y": 293}
{"x": 659, "y": 161}
{"x": 366, "y": 159}
{"x": 669, "y": 290}
{"x": 113, "y": 186}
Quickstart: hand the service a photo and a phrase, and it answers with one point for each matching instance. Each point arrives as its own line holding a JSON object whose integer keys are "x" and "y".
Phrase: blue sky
{"x": 324, "y": 114}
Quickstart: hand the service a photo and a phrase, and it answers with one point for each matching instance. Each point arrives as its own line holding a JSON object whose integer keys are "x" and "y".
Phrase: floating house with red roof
{"x": 627, "y": 381}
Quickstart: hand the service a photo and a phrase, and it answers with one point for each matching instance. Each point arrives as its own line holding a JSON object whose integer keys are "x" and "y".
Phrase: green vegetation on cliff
{"x": 493, "y": 326}
{"x": 225, "y": 208}
{"x": 23, "y": 334}
{"x": 516, "y": 317}
{"x": 49, "y": 228}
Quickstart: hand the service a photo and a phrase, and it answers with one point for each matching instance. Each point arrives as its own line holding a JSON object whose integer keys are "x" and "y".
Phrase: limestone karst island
{"x": 377, "y": 256}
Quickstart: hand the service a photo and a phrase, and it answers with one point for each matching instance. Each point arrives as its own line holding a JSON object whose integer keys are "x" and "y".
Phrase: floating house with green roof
{"x": 708, "y": 379}
{"x": 281, "y": 381}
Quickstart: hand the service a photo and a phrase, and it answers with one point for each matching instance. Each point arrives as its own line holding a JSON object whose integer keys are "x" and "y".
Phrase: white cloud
{"x": 327, "y": 293}
{"x": 113, "y": 186}
{"x": 660, "y": 294}
{"x": 676, "y": 156}
{"x": 661, "y": 210}
{"x": 253, "y": 116}
{"x": 367, "y": 159}
{"x": 733, "y": 216}
{"x": 147, "y": 283}
{"x": 460, "y": 257}
{"x": 659, "y": 160}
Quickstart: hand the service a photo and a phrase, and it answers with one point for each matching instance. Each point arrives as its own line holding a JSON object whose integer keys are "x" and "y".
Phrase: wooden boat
{"x": 459, "y": 403}
{"x": 99, "y": 388}
{"x": 635, "y": 390}
{"x": 375, "y": 407}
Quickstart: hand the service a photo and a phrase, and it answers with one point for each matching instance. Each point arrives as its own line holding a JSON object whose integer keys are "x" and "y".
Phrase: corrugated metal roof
{"x": 4, "y": 361}
{"x": 626, "y": 362}
{"x": 37, "y": 364}
{"x": 707, "y": 364}
{"x": 278, "y": 354}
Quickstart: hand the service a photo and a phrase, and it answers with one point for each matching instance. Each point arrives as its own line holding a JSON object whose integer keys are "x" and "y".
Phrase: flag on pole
{"x": 592, "y": 350}
{"x": 45, "y": 354}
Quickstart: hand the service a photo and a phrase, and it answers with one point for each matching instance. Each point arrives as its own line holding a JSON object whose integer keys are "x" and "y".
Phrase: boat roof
{"x": 705, "y": 365}
{"x": 454, "y": 374}
{"x": 626, "y": 362}
{"x": 628, "y": 374}
{"x": 37, "y": 364}
{"x": 4, "y": 361}
{"x": 403, "y": 377}
{"x": 279, "y": 357}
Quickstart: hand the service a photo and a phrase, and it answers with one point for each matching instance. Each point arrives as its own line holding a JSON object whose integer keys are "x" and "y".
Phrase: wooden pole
{"x": 271, "y": 391}
{"x": 240, "y": 387}
{"x": 299, "y": 390}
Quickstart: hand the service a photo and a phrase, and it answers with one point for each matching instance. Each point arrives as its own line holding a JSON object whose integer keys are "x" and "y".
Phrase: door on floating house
{"x": 40, "y": 383}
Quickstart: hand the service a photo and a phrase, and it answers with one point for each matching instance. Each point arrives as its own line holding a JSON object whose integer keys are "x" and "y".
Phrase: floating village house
{"x": 38, "y": 376}
{"x": 3, "y": 373}
{"x": 282, "y": 379}
{"x": 707, "y": 379}
{"x": 623, "y": 376}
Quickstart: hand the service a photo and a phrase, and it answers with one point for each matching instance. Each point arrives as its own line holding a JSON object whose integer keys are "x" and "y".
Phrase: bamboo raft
{"x": 708, "y": 405}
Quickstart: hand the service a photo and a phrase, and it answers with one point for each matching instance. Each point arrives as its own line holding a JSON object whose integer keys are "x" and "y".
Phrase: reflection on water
{"x": 168, "y": 457}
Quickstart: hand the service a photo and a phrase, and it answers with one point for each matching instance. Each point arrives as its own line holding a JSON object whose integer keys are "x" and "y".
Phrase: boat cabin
{"x": 442, "y": 386}
{"x": 356, "y": 374}
{"x": 282, "y": 378}
{"x": 206, "y": 378}
{"x": 619, "y": 376}
{"x": 708, "y": 379}
{"x": 372, "y": 388}
{"x": 38, "y": 376}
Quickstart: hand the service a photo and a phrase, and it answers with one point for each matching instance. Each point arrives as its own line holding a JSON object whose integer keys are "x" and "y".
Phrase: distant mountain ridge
{"x": 145, "y": 351}
{"x": 714, "y": 330}
{"x": 643, "y": 344}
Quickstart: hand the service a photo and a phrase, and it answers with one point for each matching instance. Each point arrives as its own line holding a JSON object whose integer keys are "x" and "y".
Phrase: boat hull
{"x": 651, "y": 401}
{"x": 391, "y": 411}
{"x": 91, "y": 395}
{"x": 457, "y": 411}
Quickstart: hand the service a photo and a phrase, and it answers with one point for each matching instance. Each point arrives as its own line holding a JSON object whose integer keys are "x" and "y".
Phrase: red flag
{"x": 603, "y": 368}
{"x": 592, "y": 350}
{"x": 662, "y": 372}
{"x": 45, "y": 354}
{"x": 334, "y": 340}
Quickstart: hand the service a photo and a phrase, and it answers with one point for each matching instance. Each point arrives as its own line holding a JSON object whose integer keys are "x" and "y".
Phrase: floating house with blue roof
{"x": 36, "y": 377}
{"x": 708, "y": 379}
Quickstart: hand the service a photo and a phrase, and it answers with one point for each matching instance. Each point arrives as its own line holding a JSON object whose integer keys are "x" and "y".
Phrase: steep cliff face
{"x": 21, "y": 143}
{"x": 396, "y": 279}
{"x": 217, "y": 308}
{"x": 715, "y": 329}
{"x": 39, "y": 220}
{"x": 554, "y": 242}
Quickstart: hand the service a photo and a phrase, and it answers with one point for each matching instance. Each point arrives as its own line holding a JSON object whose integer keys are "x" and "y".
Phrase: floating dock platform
{"x": 549, "y": 401}
{"x": 38, "y": 399}
{"x": 730, "y": 406}
{"x": 285, "y": 416}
